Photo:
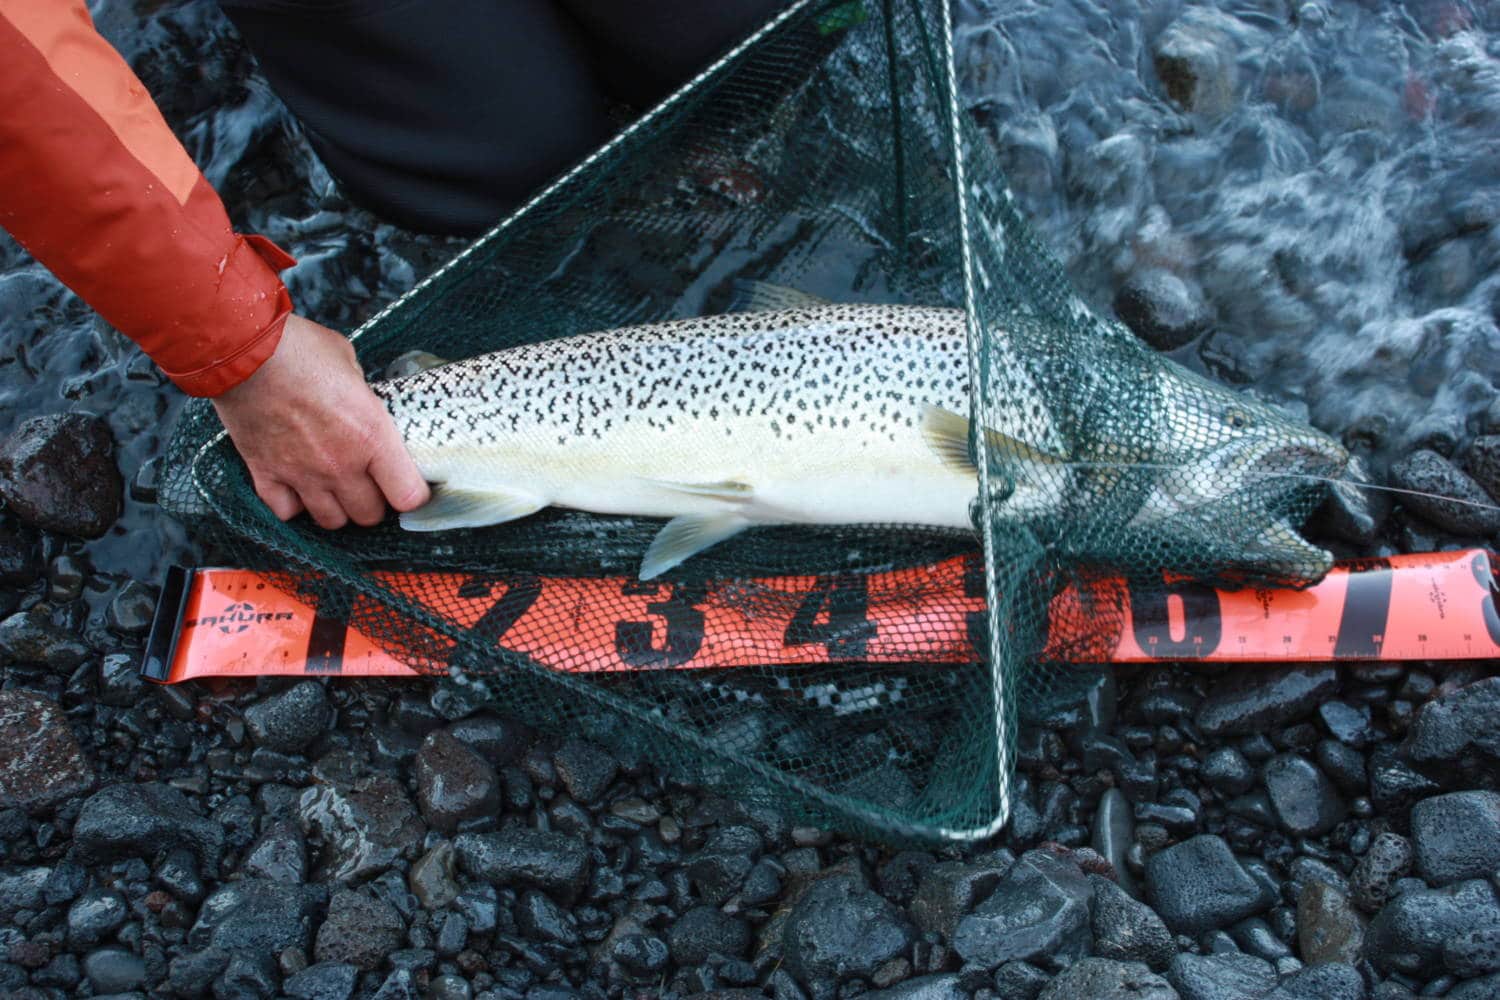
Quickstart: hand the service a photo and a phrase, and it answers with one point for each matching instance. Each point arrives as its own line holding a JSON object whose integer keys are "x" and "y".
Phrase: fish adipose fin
{"x": 947, "y": 435}
{"x": 762, "y": 296}
{"x": 686, "y": 536}
{"x": 455, "y": 507}
{"x": 728, "y": 490}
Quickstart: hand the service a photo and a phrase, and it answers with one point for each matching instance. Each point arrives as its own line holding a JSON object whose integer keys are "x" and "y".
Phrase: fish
{"x": 792, "y": 410}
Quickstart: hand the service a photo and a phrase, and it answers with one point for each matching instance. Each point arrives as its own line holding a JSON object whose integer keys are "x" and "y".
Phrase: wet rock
{"x": 1108, "y": 979}
{"x": 1220, "y": 976}
{"x": 1255, "y": 701}
{"x": 1304, "y": 800}
{"x": 1328, "y": 927}
{"x": 1228, "y": 772}
{"x": 131, "y": 610}
{"x": 1408, "y": 935}
{"x": 1038, "y": 912}
{"x": 1457, "y": 736}
{"x": 1126, "y": 929}
{"x": 543, "y": 920}
{"x": 1349, "y": 724}
{"x": 29, "y": 637}
{"x": 431, "y": 878}
{"x": 704, "y": 931}
{"x": 360, "y": 931}
{"x": 21, "y": 889}
{"x": 454, "y": 783}
{"x": 1388, "y": 860}
{"x": 839, "y": 929}
{"x": 142, "y": 821}
{"x": 1020, "y": 981}
{"x": 1473, "y": 953}
{"x": 177, "y": 872}
{"x": 191, "y": 974}
{"x": 1457, "y": 836}
{"x": 948, "y": 891}
{"x": 93, "y": 917}
{"x": 1394, "y": 785}
{"x": 399, "y": 985}
{"x": 548, "y": 861}
{"x": 58, "y": 472}
{"x": 323, "y": 981}
{"x": 41, "y": 764}
{"x": 1428, "y": 472}
{"x": 113, "y": 970}
{"x": 290, "y": 720}
{"x": 364, "y": 825}
{"x": 1164, "y": 310}
{"x": 247, "y": 975}
{"x": 1483, "y": 463}
{"x": 1199, "y": 885}
{"x": 498, "y": 739}
{"x": 120, "y": 681}
{"x": 279, "y": 855}
{"x": 942, "y": 987}
{"x": 584, "y": 769}
{"x": 18, "y": 562}
{"x": 258, "y": 915}
{"x": 1344, "y": 766}
{"x": 1330, "y": 981}
{"x": 1476, "y": 989}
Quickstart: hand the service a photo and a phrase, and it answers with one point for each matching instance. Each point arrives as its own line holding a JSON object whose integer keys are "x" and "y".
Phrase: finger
{"x": 281, "y": 498}
{"x": 325, "y": 509}
{"x": 396, "y": 474}
{"x": 362, "y": 501}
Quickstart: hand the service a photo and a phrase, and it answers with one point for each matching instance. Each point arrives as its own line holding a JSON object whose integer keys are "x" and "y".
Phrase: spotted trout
{"x": 797, "y": 411}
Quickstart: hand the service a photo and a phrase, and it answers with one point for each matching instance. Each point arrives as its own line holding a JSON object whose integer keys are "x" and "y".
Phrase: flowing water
{"x": 1316, "y": 182}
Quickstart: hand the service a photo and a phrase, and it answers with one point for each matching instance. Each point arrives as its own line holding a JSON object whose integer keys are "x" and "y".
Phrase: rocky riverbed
{"x": 1297, "y": 198}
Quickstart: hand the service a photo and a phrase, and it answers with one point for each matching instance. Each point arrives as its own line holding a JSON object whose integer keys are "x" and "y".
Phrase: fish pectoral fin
{"x": 762, "y": 296}
{"x": 469, "y": 507}
{"x": 727, "y": 490}
{"x": 947, "y": 435}
{"x": 412, "y": 362}
{"x": 686, "y": 536}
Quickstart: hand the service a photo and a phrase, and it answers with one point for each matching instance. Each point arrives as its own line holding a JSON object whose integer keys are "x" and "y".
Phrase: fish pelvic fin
{"x": 684, "y": 537}
{"x": 728, "y": 490}
{"x": 470, "y": 507}
{"x": 947, "y": 434}
{"x": 762, "y": 296}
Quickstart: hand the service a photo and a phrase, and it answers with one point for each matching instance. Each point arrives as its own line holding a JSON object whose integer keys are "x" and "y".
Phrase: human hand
{"x": 314, "y": 435}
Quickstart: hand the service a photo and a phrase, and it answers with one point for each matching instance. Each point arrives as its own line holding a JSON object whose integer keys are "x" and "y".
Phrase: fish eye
{"x": 1236, "y": 418}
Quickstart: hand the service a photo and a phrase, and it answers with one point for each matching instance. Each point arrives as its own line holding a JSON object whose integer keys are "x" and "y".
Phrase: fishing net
{"x": 827, "y": 153}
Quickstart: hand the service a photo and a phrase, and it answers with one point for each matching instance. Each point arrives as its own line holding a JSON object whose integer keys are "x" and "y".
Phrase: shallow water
{"x": 1323, "y": 175}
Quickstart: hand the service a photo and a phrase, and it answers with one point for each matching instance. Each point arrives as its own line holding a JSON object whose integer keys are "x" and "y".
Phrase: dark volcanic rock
{"x": 497, "y": 738}
{"x": 1304, "y": 800}
{"x": 549, "y": 861}
{"x": 1409, "y": 934}
{"x": 290, "y": 720}
{"x": 1227, "y": 770}
{"x": 839, "y": 928}
{"x": 1394, "y": 785}
{"x": 1473, "y": 952}
{"x": 948, "y": 891}
{"x": 94, "y": 916}
{"x": 1164, "y": 310}
{"x": 364, "y": 826}
{"x": 1256, "y": 700}
{"x": 41, "y": 764}
{"x": 1428, "y": 472}
{"x": 704, "y": 931}
{"x": 1388, "y": 859}
{"x": 143, "y": 821}
{"x": 360, "y": 931}
{"x": 1126, "y": 929}
{"x": 584, "y": 769}
{"x": 113, "y": 970}
{"x": 1108, "y": 979}
{"x": 1199, "y": 885}
{"x": 1328, "y": 981}
{"x": 21, "y": 889}
{"x": 943, "y": 987}
{"x": 29, "y": 637}
{"x": 1020, "y": 981}
{"x": 1457, "y": 736}
{"x": 543, "y": 920}
{"x": 1328, "y": 927}
{"x": 258, "y": 915}
{"x": 132, "y": 610}
{"x": 1040, "y": 910}
{"x": 431, "y": 878}
{"x": 279, "y": 855}
{"x": 1483, "y": 463}
{"x": 190, "y": 974}
{"x": 58, "y": 472}
{"x": 454, "y": 783}
{"x": 1457, "y": 836}
{"x": 1220, "y": 976}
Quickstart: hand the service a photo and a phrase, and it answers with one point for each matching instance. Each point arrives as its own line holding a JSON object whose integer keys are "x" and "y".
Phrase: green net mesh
{"x": 826, "y": 153}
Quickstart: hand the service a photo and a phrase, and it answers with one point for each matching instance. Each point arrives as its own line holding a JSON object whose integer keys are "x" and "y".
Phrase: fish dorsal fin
{"x": 470, "y": 507}
{"x": 762, "y": 296}
{"x": 686, "y": 536}
{"x": 728, "y": 490}
{"x": 947, "y": 435}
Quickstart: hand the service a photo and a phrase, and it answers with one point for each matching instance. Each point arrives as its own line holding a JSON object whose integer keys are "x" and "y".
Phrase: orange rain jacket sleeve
{"x": 97, "y": 188}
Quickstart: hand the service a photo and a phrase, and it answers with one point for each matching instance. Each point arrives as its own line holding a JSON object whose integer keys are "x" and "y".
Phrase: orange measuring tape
{"x": 237, "y": 623}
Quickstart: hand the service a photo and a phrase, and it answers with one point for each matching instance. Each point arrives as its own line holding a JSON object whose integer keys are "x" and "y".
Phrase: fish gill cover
{"x": 828, "y": 154}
